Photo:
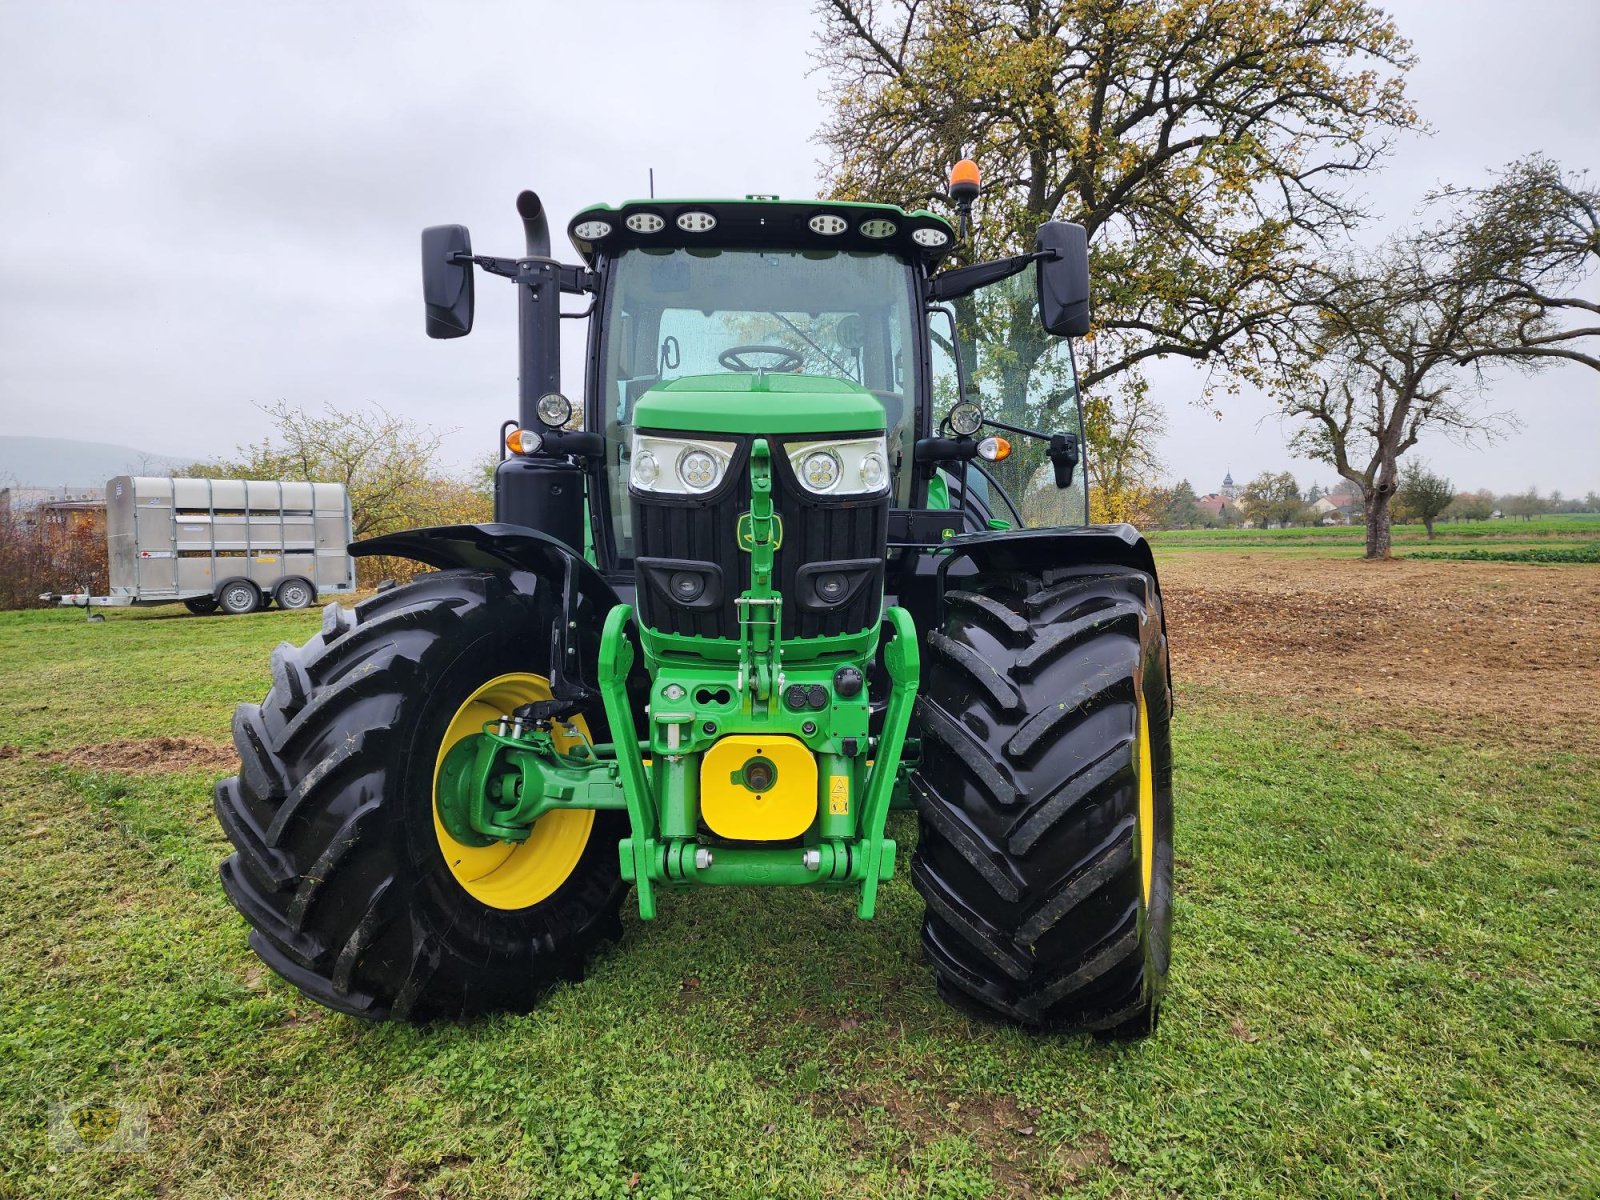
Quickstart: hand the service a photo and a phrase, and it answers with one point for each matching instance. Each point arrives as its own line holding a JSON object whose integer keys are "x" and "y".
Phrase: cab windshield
{"x": 677, "y": 312}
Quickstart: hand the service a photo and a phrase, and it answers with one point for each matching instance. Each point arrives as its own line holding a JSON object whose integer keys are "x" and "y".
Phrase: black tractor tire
{"x": 338, "y": 868}
{"x": 1033, "y": 855}
{"x": 239, "y": 597}
{"x": 201, "y": 606}
{"x": 294, "y": 593}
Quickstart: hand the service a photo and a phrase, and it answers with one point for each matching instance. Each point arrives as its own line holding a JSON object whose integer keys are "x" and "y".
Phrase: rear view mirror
{"x": 447, "y": 280}
{"x": 1064, "y": 279}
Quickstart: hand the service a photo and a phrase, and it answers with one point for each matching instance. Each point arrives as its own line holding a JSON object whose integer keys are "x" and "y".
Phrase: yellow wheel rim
{"x": 1147, "y": 804}
{"x": 511, "y": 875}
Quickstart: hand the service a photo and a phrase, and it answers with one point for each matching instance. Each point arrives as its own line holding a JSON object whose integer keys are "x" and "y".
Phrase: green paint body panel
{"x": 496, "y": 784}
{"x": 760, "y": 403}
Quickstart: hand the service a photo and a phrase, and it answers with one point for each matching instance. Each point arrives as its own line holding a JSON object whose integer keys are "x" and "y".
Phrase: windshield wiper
{"x": 802, "y": 333}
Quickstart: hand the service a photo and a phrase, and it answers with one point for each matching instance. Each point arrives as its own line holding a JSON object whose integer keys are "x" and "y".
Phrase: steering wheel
{"x": 733, "y": 358}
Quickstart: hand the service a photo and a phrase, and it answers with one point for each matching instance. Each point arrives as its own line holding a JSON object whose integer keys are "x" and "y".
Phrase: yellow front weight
{"x": 732, "y": 809}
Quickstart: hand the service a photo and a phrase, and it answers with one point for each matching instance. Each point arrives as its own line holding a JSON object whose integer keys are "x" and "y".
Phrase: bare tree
{"x": 1535, "y": 236}
{"x": 1400, "y": 341}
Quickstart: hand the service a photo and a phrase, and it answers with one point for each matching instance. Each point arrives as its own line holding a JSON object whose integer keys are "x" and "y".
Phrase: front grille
{"x": 815, "y": 530}
{"x": 701, "y": 531}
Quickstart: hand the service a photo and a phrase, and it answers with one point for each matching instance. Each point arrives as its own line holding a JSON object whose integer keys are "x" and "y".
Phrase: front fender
{"x": 1040, "y": 549}
{"x": 582, "y": 595}
{"x": 493, "y": 546}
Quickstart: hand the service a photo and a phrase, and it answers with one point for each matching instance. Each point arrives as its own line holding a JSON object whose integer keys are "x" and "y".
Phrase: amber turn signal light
{"x": 523, "y": 441}
{"x": 994, "y": 449}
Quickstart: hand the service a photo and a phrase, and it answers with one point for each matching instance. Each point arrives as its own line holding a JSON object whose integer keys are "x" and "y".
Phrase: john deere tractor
{"x": 813, "y": 547}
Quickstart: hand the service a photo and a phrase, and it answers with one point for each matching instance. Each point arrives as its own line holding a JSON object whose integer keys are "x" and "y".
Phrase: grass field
{"x": 1385, "y": 982}
{"x": 1568, "y": 534}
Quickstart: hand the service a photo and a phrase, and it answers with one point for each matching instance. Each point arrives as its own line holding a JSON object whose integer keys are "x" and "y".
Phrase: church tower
{"x": 1229, "y": 490}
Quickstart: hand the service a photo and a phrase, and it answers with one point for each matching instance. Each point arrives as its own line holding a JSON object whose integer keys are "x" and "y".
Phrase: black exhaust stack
{"x": 535, "y": 229}
{"x": 543, "y": 491}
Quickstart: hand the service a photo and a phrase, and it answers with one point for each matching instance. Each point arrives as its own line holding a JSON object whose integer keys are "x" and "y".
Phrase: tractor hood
{"x": 760, "y": 403}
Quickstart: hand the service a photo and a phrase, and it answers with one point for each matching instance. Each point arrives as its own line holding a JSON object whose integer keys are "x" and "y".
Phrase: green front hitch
{"x": 494, "y": 786}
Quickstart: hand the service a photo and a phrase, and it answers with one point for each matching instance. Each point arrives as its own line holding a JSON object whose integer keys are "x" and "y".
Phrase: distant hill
{"x": 65, "y": 462}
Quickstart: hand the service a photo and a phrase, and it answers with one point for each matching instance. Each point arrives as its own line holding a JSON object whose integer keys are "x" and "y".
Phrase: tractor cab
{"x": 838, "y": 295}
{"x": 774, "y": 304}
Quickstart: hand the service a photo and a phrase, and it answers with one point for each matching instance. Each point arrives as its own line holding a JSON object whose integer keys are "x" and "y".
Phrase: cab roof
{"x": 761, "y": 222}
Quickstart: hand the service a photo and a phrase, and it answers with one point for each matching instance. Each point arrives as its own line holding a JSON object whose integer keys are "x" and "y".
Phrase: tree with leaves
{"x": 1470, "y": 506}
{"x": 1401, "y": 341}
{"x": 1177, "y": 507}
{"x": 1424, "y": 494}
{"x": 1207, "y": 149}
{"x": 1273, "y": 499}
{"x": 386, "y": 461}
{"x": 1527, "y": 505}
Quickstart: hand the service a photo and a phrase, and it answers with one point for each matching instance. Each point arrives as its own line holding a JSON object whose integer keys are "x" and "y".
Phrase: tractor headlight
{"x": 857, "y": 467}
{"x": 697, "y": 470}
{"x": 820, "y": 470}
{"x": 678, "y": 466}
{"x": 646, "y": 468}
{"x": 554, "y": 409}
{"x": 873, "y": 473}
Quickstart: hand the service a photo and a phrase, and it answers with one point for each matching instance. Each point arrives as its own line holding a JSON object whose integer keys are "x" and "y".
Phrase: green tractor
{"x": 802, "y": 556}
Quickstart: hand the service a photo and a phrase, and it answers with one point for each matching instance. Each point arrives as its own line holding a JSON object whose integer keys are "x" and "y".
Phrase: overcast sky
{"x": 204, "y": 205}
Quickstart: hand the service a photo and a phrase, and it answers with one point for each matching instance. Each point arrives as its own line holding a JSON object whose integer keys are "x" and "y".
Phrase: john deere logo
{"x": 95, "y": 1123}
{"x": 745, "y": 533}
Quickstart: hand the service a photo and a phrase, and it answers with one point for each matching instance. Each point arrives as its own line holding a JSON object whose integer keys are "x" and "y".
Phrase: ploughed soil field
{"x": 1442, "y": 646}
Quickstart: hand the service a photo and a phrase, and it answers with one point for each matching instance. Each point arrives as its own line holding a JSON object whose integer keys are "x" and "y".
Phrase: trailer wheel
{"x": 1045, "y": 798}
{"x": 294, "y": 593}
{"x": 239, "y": 597}
{"x": 355, "y": 892}
{"x": 201, "y": 606}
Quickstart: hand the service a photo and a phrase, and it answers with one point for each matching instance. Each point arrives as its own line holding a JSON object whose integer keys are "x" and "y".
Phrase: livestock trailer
{"x": 230, "y": 544}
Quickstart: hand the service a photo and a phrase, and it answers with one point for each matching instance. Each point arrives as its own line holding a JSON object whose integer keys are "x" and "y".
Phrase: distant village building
{"x": 19, "y": 499}
{"x": 1219, "y": 511}
{"x": 1221, "y": 507}
{"x": 70, "y": 516}
{"x": 62, "y": 510}
{"x": 1348, "y": 507}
